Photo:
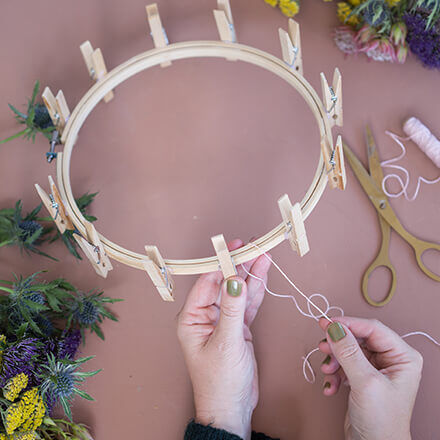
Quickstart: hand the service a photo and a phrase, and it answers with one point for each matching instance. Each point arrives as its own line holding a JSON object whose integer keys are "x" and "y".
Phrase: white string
{"x": 422, "y": 334}
{"x": 307, "y": 369}
{"x": 307, "y": 298}
{"x": 427, "y": 142}
{"x": 306, "y": 363}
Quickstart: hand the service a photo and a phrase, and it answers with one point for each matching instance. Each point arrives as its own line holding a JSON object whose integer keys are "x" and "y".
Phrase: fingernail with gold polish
{"x": 234, "y": 287}
{"x": 327, "y": 385}
{"x": 324, "y": 340}
{"x": 327, "y": 360}
{"x": 336, "y": 331}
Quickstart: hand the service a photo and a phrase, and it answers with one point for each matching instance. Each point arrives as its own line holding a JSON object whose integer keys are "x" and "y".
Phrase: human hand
{"x": 383, "y": 373}
{"x": 213, "y": 330}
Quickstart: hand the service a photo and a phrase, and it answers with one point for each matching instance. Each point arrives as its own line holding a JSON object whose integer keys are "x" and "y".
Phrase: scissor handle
{"x": 420, "y": 247}
{"x": 381, "y": 260}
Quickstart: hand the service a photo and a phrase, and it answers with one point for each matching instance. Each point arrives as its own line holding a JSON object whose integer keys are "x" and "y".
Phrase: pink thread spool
{"x": 425, "y": 140}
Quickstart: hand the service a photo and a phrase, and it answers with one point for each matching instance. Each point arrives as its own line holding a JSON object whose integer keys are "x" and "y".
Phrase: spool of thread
{"x": 425, "y": 140}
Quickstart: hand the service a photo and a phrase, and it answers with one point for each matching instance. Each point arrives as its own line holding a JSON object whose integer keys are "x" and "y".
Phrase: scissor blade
{"x": 367, "y": 182}
{"x": 373, "y": 158}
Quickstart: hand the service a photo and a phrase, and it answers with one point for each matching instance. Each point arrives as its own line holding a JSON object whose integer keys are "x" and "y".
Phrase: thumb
{"x": 349, "y": 354}
{"x": 232, "y": 307}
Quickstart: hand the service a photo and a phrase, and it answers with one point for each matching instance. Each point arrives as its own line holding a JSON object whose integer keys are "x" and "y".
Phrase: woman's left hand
{"x": 213, "y": 329}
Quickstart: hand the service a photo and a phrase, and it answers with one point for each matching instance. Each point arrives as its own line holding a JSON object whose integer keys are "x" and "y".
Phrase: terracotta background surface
{"x": 205, "y": 147}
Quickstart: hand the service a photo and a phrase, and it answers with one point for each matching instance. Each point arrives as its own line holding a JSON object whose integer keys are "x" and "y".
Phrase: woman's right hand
{"x": 383, "y": 373}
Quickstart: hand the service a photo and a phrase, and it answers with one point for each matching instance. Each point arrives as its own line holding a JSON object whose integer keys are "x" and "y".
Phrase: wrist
{"x": 234, "y": 422}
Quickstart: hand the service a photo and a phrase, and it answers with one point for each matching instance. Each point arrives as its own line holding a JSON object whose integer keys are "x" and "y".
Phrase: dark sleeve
{"x": 194, "y": 431}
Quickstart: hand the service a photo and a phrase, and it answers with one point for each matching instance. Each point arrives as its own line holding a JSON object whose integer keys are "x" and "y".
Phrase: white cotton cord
{"x": 427, "y": 142}
{"x": 308, "y": 365}
{"x": 307, "y": 369}
{"x": 422, "y": 334}
{"x": 309, "y": 313}
{"x": 307, "y": 298}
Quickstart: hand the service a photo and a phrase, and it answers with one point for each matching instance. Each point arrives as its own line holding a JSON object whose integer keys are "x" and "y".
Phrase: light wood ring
{"x": 172, "y": 52}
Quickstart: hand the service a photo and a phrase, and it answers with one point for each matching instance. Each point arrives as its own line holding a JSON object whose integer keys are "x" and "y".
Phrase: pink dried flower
{"x": 365, "y": 34}
{"x": 382, "y": 51}
{"x": 369, "y": 46}
{"x": 345, "y": 39}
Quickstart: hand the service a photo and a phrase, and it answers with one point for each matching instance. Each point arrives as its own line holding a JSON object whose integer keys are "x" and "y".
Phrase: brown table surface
{"x": 206, "y": 147}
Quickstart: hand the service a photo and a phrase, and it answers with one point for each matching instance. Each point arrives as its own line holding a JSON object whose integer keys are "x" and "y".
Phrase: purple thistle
{"x": 21, "y": 357}
{"x": 425, "y": 44}
{"x": 51, "y": 346}
{"x": 68, "y": 346}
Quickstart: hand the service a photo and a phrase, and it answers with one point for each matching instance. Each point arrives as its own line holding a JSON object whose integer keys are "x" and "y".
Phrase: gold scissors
{"x": 372, "y": 184}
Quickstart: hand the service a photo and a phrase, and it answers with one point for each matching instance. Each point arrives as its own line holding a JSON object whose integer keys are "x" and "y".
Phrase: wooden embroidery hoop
{"x": 328, "y": 113}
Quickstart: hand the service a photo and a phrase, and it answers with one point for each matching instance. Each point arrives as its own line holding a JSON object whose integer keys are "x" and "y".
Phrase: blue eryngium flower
{"x": 376, "y": 12}
{"x": 59, "y": 379}
{"x": 88, "y": 311}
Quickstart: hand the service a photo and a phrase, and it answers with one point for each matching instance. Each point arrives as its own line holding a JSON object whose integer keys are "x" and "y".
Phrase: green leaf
{"x": 17, "y": 112}
{"x": 109, "y": 315}
{"x": 35, "y": 306}
{"x": 83, "y": 394}
{"x": 66, "y": 407}
{"x": 70, "y": 243}
{"x": 82, "y": 360}
{"x": 53, "y": 303}
{"x": 49, "y": 421}
{"x": 32, "y": 215}
{"x": 15, "y": 136}
{"x": 98, "y": 331}
{"x": 61, "y": 282}
{"x": 34, "y": 95}
{"x": 86, "y": 374}
{"x": 22, "y": 330}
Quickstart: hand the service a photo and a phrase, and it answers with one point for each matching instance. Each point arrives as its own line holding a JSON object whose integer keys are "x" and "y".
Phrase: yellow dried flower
{"x": 14, "y": 386}
{"x": 344, "y": 10}
{"x": 356, "y": 2}
{"x": 273, "y": 3}
{"x": 392, "y": 3}
{"x": 31, "y": 435}
{"x": 289, "y": 7}
{"x": 26, "y": 414}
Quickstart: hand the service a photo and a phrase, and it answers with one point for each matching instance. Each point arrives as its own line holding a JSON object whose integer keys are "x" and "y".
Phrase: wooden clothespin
{"x": 334, "y": 163}
{"x": 95, "y": 65}
{"x": 224, "y": 257}
{"x": 294, "y": 222}
{"x": 55, "y": 205}
{"x": 94, "y": 249}
{"x": 225, "y": 22}
{"x": 57, "y": 107}
{"x": 159, "y": 273}
{"x": 291, "y": 46}
{"x": 158, "y": 33}
{"x": 332, "y": 98}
